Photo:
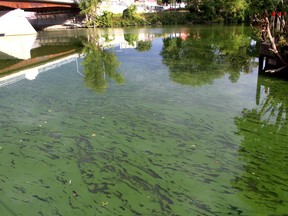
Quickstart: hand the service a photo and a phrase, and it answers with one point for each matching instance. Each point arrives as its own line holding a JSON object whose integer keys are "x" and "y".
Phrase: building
{"x": 117, "y": 6}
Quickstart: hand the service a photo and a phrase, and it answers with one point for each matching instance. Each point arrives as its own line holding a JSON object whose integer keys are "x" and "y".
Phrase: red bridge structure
{"x": 39, "y": 5}
{"x": 44, "y": 13}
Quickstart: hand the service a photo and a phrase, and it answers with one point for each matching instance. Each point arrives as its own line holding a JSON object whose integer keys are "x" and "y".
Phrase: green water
{"x": 171, "y": 126}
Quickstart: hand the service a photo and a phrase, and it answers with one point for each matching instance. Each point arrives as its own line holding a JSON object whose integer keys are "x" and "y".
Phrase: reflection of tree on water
{"x": 203, "y": 57}
{"x": 143, "y": 46}
{"x": 275, "y": 104}
{"x": 272, "y": 111}
{"x": 264, "y": 149}
{"x": 140, "y": 45}
{"x": 99, "y": 66}
{"x": 131, "y": 38}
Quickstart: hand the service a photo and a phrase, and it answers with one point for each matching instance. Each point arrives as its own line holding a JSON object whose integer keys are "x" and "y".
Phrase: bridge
{"x": 39, "y": 5}
{"x": 39, "y": 13}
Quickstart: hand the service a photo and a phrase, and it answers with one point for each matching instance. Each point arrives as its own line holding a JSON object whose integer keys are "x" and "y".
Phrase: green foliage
{"x": 234, "y": 10}
{"x": 89, "y": 8}
{"x": 131, "y": 38}
{"x": 130, "y": 12}
{"x": 143, "y": 46}
{"x": 280, "y": 36}
{"x": 187, "y": 59}
{"x": 283, "y": 45}
{"x": 255, "y": 7}
{"x": 99, "y": 66}
{"x": 105, "y": 20}
{"x": 229, "y": 11}
{"x": 130, "y": 17}
{"x": 168, "y": 18}
{"x": 219, "y": 10}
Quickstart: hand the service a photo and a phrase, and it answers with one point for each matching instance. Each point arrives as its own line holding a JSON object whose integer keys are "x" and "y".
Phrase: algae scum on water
{"x": 145, "y": 134}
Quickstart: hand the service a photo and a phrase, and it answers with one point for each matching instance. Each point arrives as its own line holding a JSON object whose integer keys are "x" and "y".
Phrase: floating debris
{"x": 74, "y": 193}
{"x": 104, "y": 203}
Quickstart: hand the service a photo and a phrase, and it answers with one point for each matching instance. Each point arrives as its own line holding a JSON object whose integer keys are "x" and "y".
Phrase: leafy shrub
{"x": 143, "y": 46}
{"x": 131, "y": 38}
{"x": 130, "y": 12}
{"x": 105, "y": 20}
{"x": 168, "y": 18}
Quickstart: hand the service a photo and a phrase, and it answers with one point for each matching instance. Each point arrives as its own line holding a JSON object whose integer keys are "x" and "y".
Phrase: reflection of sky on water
{"x": 32, "y": 73}
{"x": 18, "y": 47}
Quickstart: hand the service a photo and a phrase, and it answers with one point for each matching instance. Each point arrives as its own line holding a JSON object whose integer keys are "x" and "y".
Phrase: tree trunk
{"x": 273, "y": 45}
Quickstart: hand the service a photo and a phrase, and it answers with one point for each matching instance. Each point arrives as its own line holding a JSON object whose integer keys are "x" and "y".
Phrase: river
{"x": 141, "y": 121}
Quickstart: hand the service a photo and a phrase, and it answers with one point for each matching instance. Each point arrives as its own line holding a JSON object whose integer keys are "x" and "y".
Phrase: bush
{"x": 143, "y": 46}
{"x": 168, "y": 18}
{"x": 130, "y": 12}
{"x": 105, "y": 20}
{"x": 132, "y": 18}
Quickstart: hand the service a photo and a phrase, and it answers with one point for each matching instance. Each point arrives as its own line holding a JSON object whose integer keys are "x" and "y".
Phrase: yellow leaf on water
{"x": 104, "y": 203}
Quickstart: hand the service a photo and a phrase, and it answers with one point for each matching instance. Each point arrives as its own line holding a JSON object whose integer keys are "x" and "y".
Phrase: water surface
{"x": 148, "y": 121}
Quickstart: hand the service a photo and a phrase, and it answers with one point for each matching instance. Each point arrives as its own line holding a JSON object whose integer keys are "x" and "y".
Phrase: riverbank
{"x": 110, "y": 20}
{"x": 145, "y": 19}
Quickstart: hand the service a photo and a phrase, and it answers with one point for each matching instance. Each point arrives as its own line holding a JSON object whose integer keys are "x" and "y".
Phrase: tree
{"x": 224, "y": 48}
{"x": 131, "y": 38}
{"x": 260, "y": 6}
{"x": 219, "y": 10}
{"x": 99, "y": 66}
{"x": 234, "y": 10}
{"x": 89, "y": 9}
{"x": 130, "y": 12}
{"x": 143, "y": 46}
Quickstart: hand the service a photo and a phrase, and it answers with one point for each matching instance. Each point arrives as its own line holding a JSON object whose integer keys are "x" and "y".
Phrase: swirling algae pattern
{"x": 132, "y": 151}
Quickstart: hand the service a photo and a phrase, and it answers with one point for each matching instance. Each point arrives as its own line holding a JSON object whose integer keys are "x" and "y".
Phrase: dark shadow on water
{"x": 263, "y": 149}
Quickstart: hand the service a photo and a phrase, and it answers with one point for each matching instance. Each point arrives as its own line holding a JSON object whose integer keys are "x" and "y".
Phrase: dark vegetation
{"x": 204, "y": 11}
{"x": 273, "y": 31}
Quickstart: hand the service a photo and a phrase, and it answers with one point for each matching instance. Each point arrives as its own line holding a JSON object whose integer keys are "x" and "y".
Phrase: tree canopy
{"x": 228, "y": 52}
{"x": 100, "y": 67}
{"x": 201, "y": 11}
{"x": 231, "y": 10}
{"x": 89, "y": 8}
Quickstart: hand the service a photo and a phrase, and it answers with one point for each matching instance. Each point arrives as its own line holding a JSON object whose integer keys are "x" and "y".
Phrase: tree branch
{"x": 273, "y": 45}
